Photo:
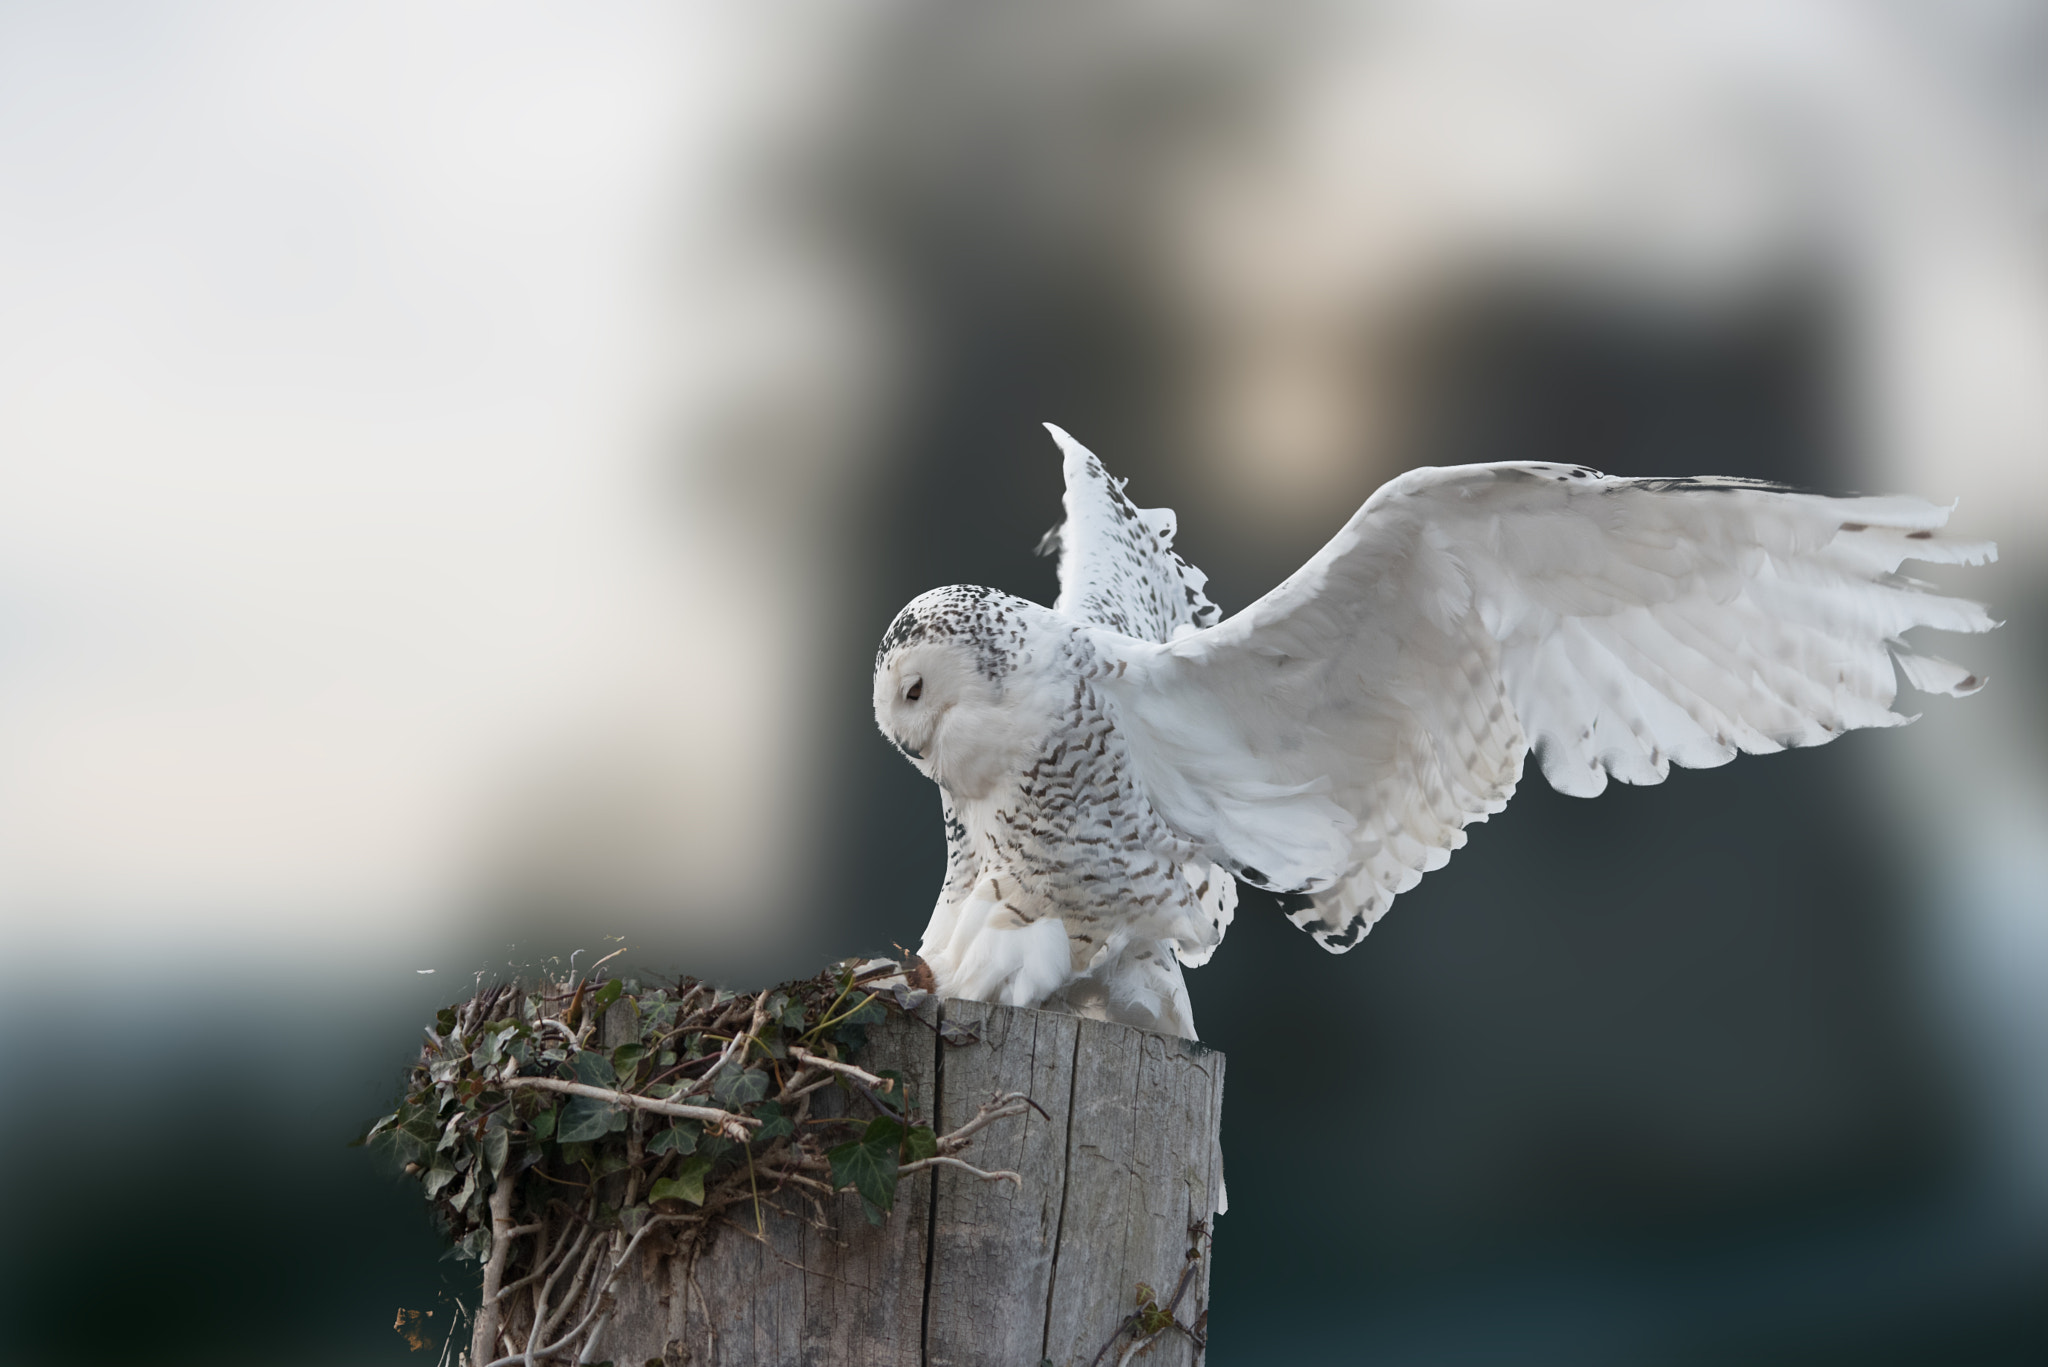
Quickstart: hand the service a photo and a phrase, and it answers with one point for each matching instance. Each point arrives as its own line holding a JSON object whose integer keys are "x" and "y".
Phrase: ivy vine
{"x": 552, "y": 1128}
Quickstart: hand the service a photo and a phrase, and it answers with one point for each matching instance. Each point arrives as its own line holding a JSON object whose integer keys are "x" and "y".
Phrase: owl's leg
{"x": 987, "y": 951}
{"x": 1147, "y": 990}
{"x": 1137, "y": 982}
{"x": 936, "y": 948}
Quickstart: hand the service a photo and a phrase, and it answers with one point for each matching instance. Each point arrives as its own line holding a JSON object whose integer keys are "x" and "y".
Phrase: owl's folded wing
{"x": 1337, "y": 736}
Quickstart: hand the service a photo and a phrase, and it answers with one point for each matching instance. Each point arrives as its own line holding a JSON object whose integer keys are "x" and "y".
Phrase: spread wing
{"x": 1337, "y": 736}
{"x": 1118, "y": 567}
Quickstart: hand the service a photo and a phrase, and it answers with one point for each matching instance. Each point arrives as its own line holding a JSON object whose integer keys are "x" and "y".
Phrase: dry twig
{"x": 725, "y": 1122}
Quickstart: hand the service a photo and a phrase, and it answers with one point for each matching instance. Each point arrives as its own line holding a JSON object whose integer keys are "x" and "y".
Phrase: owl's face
{"x": 934, "y": 703}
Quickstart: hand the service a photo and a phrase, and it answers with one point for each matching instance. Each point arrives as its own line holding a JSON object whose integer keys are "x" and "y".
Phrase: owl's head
{"x": 939, "y": 685}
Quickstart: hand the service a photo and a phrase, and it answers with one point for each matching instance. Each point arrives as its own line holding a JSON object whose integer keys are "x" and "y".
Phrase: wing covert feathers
{"x": 1118, "y": 567}
{"x": 1338, "y": 735}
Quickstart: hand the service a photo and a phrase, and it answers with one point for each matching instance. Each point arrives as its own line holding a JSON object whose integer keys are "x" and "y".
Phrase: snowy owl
{"x": 1109, "y": 766}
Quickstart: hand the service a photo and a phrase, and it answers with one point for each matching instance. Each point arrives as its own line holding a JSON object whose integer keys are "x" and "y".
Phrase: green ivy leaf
{"x": 774, "y": 1124}
{"x": 687, "y": 1185}
{"x": 544, "y": 1125}
{"x": 445, "y": 1019}
{"x": 381, "y": 1124}
{"x": 418, "y": 1121}
{"x": 626, "y": 1060}
{"x": 868, "y": 1164}
{"x": 869, "y": 1012}
{"x": 680, "y": 1137}
{"x": 586, "y": 1118}
{"x": 438, "y": 1177}
{"x": 595, "y": 1070}
{"x": 607, "y": 994}
{"x": 853, "y": 1039}
{"x": 470, "y": 1194}
{"x": 736, "y": 1088}
{"x": 792, "y": 1016}
{"x": 919, "y": 1143}
{"x": 497, "y": 1144}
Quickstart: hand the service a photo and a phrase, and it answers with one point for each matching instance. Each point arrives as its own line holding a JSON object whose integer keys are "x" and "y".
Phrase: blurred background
{"x": 456, "y": 461}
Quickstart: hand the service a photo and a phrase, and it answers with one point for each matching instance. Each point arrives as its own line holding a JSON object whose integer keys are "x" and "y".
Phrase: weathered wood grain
{"x": 994, "y": 1243}
{"x": 1117, "y": 1171}
{"x": 1143, "y": 1173}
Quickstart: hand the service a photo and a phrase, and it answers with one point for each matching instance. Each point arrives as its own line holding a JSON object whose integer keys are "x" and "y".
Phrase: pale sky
{"x": 327, "y": 382}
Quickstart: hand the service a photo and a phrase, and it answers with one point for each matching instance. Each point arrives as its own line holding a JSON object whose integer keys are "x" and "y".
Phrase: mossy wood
{"x": 1102, "y": 1244}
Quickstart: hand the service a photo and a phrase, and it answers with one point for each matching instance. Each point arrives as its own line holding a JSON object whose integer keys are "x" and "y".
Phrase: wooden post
{"x": 1121, "y": 1178}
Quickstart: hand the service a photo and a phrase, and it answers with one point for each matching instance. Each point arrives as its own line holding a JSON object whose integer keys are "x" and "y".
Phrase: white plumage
{"x": 1106, "y": 765}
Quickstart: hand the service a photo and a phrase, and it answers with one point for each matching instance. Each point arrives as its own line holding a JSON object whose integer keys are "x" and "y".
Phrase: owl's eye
{"x": 915, "y": 691}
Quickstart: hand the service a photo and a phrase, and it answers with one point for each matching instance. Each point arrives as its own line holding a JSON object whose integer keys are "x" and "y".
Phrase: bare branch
{"x": 735, "y": 1047}
{"x": 540, "y": 1300}
{"x": 488, "y": 1317}
{"x": 544, "y": 1257}
{"x": 574, "y": 1295}
{"x": 843, "y": 1069}
{"x": 602, "y": 1293}
{"x": 1140, "y": 1345}
{"x": 944, "y": 1161}
{"x": 732, "y": 1125}
{"x": 799, "y": 1088}
{"x": 1109, "y": 1343}
{"x": 1008, "y": 1104}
